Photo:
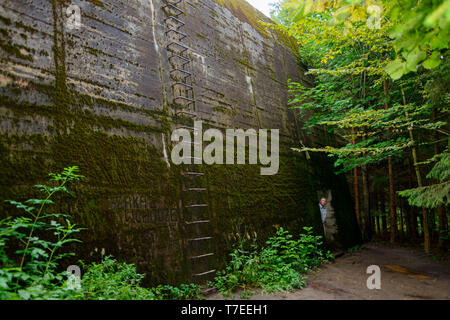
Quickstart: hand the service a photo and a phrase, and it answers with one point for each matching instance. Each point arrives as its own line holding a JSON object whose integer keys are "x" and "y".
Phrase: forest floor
{"x": 406, "y": 273}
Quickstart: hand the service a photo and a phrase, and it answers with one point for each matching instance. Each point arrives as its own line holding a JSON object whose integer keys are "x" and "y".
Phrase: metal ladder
{"x": 195, "y": 210}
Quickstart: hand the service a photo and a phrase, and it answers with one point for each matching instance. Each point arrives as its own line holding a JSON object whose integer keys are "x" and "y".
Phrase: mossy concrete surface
{"x": 99, "y": 97}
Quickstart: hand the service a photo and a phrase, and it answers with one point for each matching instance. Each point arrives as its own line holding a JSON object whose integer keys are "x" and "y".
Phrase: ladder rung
{"x": 204, "y": 273}
{"x": 195, "y": 173}
{"x": 175, "y": 2}
{"x": 200, "y": 239}
{"x": 196, "y": 189}
{"x": 181, "y": 70}
{"x": 187, "y": 113}
{"x": 173, "y": 7}
{"x": 177, "y": 44}
{"x": 185, "y": 98}
{"x": 179, "y": 57}
{"x": 187, "y": 128}
{"x": 197, "y": 222}
{"x": 182, "y": 84}
{"x": 176, "y": 19}
{"x": 196, "y": 205}
{"x": 182, "y": 34}
{"x": 202, "y": 256}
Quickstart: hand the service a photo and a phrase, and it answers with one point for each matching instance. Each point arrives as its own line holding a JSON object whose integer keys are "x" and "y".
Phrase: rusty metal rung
{"x": 180, "y": 57}
{"x": 197, "y": 222}
{"x": 186, "y": 104}
{"x": 175, "y": 19}
{"x": 187, "y": 113}
{"x": 184, "y": 48}
{"x": 202, "y": 256}
{"x": 192, "y": 143}
{"x": 196, "y": 189}
{"x": 184, "y": 98}
{"x": 196, "y": 205}
{"x": 173, "y": 6}
{"x": 188, "y": 128}
{"x": 204, "y": 273}
{"x": 195, "y": 173}
{"x": 182, "y": 34}
{"x": 182, "y": 84}
{"x": 200, "y": 239}
{"x": 182, "y": 71}
{"x": 173, "y": 2}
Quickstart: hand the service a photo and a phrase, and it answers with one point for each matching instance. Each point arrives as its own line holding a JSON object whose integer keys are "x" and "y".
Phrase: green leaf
{"x": 414, "y": 58}
{"x": 25, "y": 295}
{"x": 433, "y": 61}
{"x": 39, "y": 201}
{"x": 439, "y": 42}
{"x": 395, "y": 69}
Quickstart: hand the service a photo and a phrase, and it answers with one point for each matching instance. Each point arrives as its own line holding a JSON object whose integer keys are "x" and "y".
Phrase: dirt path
{"x": 405, "y": 274}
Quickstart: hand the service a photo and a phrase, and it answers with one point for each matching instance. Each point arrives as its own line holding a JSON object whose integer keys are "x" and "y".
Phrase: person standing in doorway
{"x": 323, "y": 212}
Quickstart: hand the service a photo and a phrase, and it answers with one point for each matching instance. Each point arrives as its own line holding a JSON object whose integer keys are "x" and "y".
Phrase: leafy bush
{"x": 183, "y": 292}
{"x": 31, "y": 272}
{"x": 276, "y": 267}
{"x": 115, "y": 280}
{"x": 111, "y": 279}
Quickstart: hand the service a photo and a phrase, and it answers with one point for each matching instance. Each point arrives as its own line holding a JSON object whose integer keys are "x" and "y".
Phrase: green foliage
{"x": 182, "y": 292}
{"x": 113, "y": 280}
{"x": 434, "y": 195}
{"x": 371, "y": 117}
{"x": 419, "y": 29}
{"x": 36, "y": 240}
{"x": 31, "y": 271}
{"x": 278, "y": 266}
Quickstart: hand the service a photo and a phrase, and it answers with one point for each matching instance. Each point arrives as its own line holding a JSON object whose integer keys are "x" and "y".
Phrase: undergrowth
{"x": 279, "y": 266}
{"x": 32, "y": 248}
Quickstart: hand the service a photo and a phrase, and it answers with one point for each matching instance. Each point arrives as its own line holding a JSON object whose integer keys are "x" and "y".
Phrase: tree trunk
{"x": 406, "y": 212}
{"x": 356, "y": 187}
{"x": 426, "y": 230}
{"x": 383, "y": 212}
{"x": 412, "y": 212}
{"x": 365, "y": 182}
{"x": 377, "y": 212}
{"x": 441, "y": 210}
{"x": 392, "y": 216}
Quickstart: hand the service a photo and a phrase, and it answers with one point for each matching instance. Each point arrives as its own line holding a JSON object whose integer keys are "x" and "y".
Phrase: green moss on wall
{"x": 124, "y": 160}
{"x": 15, "y": 50}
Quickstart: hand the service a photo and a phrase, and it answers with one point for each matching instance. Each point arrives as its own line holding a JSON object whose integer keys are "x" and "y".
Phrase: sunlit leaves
{"x": 433, "y": 61}
{"x": 421, "y": 29}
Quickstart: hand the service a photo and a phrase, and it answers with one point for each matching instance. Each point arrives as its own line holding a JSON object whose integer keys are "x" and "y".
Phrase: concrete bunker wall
{"x": 99, "y": 97}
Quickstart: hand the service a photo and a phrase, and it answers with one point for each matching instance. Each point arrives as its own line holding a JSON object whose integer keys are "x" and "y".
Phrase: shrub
{"x": 31, "y": 272}
{"x": 113, "y": 280}
{"x": 276, "y": 267}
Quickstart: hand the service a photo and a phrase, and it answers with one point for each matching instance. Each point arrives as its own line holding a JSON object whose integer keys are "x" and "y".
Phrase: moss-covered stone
{"x": 115, "y": 123}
